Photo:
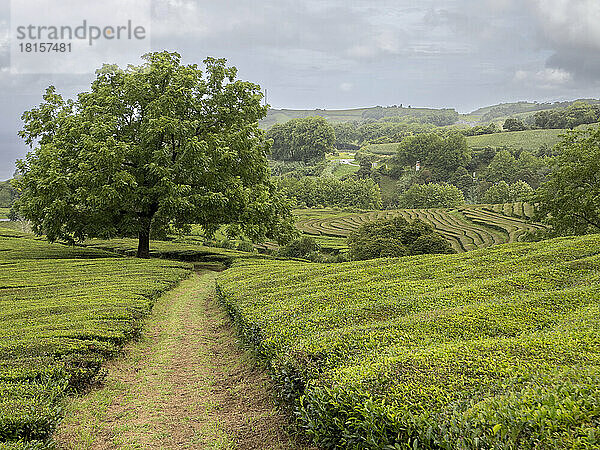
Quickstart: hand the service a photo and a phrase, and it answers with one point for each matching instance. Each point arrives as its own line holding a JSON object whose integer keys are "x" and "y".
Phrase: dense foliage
{"x": 526, "y": 167}
{"x": 329, "y": 191}
{"x": 512, "y": 124}
{"x": 395, "y": 237}
{"x": 498, "y": 348}
{"x": 441, "y": 156}
{"x": 63, "y": 311}
{"x": 578, "y": 113}
{"x": 570, "y": 200}
{"x": 7, "y": 194}
{"x": 438, "y": 117}
{"x": 432, "y": 195}
{"x": 502, "y": 192}
{"x": 299, "y": 248}
{"x": 306, "y": 140}
{"x": 148, "y": 148}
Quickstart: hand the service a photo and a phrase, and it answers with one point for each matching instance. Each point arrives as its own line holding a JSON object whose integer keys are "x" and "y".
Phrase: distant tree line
{"x": 437, "y": 117}
{"x": 331, "y": 192}
{"x": 491, "y": 113}
{"x": 578, "y": 113}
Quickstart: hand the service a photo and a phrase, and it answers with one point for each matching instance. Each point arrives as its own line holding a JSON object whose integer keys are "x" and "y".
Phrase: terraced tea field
{"x": 519, "y": 209}
{"x": 63, "y": 311}
{"x": 530, "y": 140}
{"x": 466, "y": 228}
{"x": 495, "y": 348}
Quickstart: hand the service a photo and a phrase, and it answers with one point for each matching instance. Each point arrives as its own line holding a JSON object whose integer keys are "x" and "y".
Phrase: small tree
{"x": 305, "y": 140}
{"x": 498, "y": 193}
{"x": 520, "y": 191}
{"x": 149, "y": 148}
{"x": 395, "y": 237}
{"x": 511, "y": 124}
{"x": 570, "y": 200}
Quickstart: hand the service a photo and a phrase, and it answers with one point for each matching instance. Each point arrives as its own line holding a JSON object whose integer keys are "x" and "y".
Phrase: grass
{"x": 496, "y": 348}
{"x": 381, "y": 149}
{"x": 64, "y": 310}
{"x": 341, "y": 170}
{"x": 4, "y": 213}
{"x": 530, "y": 140}
{"x": 179, "y": 390}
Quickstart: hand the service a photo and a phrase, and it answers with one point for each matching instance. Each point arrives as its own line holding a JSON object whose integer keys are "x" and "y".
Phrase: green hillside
{"x": 347, "y": 115}
{"x": 519, "y": 109}
{"x": 497, "y": 348}
{"x": 528, "y": 140}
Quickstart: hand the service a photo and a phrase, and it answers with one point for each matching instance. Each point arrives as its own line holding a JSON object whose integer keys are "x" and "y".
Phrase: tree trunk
{"x": 144, "y": 234}
{"x": 143, "y": 250}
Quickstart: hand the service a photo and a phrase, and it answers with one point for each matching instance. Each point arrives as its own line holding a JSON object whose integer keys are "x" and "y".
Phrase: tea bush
{"x": 496, "y": 348}
{"x": 64, "y": 310}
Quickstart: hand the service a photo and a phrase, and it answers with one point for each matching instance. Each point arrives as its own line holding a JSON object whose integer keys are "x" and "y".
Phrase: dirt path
{"x": 186, "y": 384}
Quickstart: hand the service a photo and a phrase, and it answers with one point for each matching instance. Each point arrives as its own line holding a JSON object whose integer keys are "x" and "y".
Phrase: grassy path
{"x": 185, "y": 384}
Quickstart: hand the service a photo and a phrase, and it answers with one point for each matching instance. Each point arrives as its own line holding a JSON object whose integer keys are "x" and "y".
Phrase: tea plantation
{"x": 495, "y": 348}
{"x": 63, "y": 311}
{"x": 466, "y": 228}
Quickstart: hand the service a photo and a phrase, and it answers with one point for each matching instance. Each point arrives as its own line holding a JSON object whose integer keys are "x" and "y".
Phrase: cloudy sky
{"x": 351, "y": 53}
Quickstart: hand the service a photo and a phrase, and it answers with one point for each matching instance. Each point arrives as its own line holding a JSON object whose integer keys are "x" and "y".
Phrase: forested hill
{"x": 439, "y": 117}
{"x": 490, "y": 113}
{"x": 406, "y": 113}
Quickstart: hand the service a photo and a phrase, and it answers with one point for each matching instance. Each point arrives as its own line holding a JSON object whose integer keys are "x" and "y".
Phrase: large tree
{"x": 147, "y": 149}
{"x": 306, "y": 140}
{"x": 442, "y": 156}
{"x": 569, "y": 200}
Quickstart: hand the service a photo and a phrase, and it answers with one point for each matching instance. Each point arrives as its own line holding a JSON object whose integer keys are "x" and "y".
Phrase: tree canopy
{"x": 331, "y": 192}
{"x": 442, "y": 156}
{"x": 148, "y": 149}
{"x": 512, "y": 124}
{"x": 432, "y": 195}
{"x": 569, "y": 200}
{"x": 578, "y": 113}
{"x": 306, "y": 140}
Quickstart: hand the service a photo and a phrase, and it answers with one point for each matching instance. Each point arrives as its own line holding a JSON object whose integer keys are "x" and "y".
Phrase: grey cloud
{"x": 570, "y": 31}
{"x": 351, "y": 53}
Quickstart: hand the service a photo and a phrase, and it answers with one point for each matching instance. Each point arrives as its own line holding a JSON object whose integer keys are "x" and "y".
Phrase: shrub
{"x": 385, "y": 238}
{"x": 430, "y": 243}
{"x": 300, "y": 248}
